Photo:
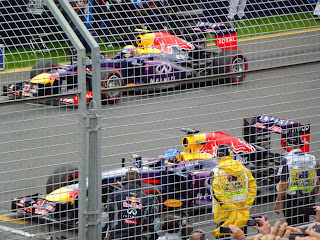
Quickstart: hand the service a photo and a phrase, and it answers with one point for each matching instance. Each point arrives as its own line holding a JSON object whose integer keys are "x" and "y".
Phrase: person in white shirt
{"x": 299, "y": 177}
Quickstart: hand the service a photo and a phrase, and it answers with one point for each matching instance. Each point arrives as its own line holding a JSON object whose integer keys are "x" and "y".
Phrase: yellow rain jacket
{"x": 234, "y": 190}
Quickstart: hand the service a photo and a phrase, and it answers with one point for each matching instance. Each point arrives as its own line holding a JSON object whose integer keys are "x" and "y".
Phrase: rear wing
{"x": 257, "y": 130}
{"x": 225, "y": 35}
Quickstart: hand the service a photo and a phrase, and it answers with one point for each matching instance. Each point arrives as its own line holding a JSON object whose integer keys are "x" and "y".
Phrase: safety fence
{"x": 113, "y": 113}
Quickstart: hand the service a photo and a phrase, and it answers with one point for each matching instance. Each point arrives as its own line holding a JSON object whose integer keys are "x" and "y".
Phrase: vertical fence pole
{"x": 94, "y": 142}
{"x": 81, "y": 106}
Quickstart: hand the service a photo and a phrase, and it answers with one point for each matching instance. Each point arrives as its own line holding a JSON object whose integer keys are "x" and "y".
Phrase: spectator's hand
{"x": 281, "y": 232}
{"x": 277, "y": 207}
{"x": 306, "y": 238}
{"x": 264, "y": 226}
{"x": 294, "y": 229}
{"x": 312, "y": 234}
{"x": 266, "y": 237}
{"x": 317, "y": 208}
{"x": 236, "y": 232}
{"x": 317, "y": 218}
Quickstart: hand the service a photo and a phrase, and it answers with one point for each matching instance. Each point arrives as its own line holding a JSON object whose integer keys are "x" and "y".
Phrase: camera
{"x": 307, "y": 211}
{"x": 315, "y": 228}
{"x": 259, "y": 216}
{"x": 252, "y": 222}
{"x": 225, "y": 230}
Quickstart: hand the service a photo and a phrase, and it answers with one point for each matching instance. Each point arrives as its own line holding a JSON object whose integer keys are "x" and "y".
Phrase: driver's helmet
{"x": 173, "y": 155}
{"x": 128, "y": 51}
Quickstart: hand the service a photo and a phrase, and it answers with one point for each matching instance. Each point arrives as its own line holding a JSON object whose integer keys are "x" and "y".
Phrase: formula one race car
{"x": 154, "y": 57}
{"x": 177, "y": 179}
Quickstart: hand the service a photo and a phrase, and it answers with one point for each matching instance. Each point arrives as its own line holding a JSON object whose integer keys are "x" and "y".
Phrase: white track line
{"x": 26, "y": 234}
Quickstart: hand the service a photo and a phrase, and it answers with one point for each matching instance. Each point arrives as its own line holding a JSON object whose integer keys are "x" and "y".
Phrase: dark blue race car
{"x": 178, "y": 179}
{"x": 154, "y": 57}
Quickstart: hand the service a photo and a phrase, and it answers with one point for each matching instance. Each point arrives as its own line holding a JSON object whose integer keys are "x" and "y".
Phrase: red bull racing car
{"x": 154, "y": 57}
{"x": 178, "y": 179}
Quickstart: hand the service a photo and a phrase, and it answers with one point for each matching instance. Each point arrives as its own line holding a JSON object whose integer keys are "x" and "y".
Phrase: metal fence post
{"x": 94, "y": 143}
{"x": 94, "y": 175}
{"x": 81, "y": 107}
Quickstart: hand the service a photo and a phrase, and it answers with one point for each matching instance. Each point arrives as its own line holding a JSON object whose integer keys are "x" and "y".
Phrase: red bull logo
{"x": 164, "y": 42}
{"x": 215, "y": 139}
{"x": 132, "y": 202}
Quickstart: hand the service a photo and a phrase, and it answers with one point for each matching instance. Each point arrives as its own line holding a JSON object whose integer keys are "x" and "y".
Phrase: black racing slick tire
{"x": 62, "y": 176}
{"x": 109, "y": 79}
{"x": 231, "y": 61}
{"x": 42, "y": 66}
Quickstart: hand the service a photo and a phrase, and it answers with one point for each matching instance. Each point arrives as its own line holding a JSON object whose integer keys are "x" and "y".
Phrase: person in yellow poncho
{"x": 234, "y": 191}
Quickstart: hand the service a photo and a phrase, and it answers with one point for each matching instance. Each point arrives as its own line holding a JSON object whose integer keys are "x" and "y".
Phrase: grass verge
{"x": 59, "y": 52}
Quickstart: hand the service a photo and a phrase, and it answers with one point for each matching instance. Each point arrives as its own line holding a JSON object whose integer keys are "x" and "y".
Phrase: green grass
{"x": 26, "y": 56}
{"x": 275, "y": 24}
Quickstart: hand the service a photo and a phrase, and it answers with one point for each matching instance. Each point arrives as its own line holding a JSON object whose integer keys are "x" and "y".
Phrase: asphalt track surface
{"x": 149, "y": 124}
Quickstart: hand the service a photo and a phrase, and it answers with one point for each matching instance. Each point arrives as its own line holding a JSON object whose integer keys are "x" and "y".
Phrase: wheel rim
{"x": 238, "y": 65}
{"x": 112, "y": 82}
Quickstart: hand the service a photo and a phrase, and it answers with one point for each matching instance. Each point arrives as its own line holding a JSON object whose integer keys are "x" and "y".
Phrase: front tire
{"x": 231, "y": 61}
{"x": 110, "y": 79}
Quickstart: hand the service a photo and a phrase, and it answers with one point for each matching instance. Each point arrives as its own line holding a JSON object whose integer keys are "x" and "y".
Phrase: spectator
{"x": 99, "y": 10}
{"x": 316, "y": 12}
{"x": 298, "y": 180}
{"x": 128, "y": 208}
{"x": 153, "y": 13}
{"x": 198, "y": 234}
{"x": 236, "y": 7}
{"x": 171, "y": 228}
{"x": 234, "y": 191}
{"x": 80, "y": 8}
{"x": 92, "y": 13}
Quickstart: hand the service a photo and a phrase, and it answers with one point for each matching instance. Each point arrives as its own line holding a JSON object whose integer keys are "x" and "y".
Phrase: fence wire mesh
{"x": 177, "y": 80}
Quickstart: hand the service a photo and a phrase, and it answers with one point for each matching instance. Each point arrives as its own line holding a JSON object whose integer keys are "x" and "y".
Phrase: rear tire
{"x": 62, "y": 176}
{"x": 230, "y": 61}
{"x": 42, "y": 66}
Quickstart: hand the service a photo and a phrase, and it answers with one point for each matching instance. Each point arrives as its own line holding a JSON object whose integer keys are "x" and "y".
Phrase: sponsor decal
{"x": 272, "y": 128}
{"x": 132, "y": 211}
{"x": 215, "y": 139}
{"x": 164, "y": 69}
{"x": 173, "y": 203}
{"x": 203, "y": 196}
{"x": 192, "y": 163}
{"x": 132, "y": 202}
{"x": 182, "y": 56}
{"x": 304, "y": 129}
{"x": 276, "y": 121}
{"x": 40, "y": 211}
{"x": 226, "y": 40}
{"x": 160, "y": 79}
{"x": 164, "y": 42}
{"x": 75, "y": 100}
{"x": 54, "y": 77}
{"x": 130, "y": 221}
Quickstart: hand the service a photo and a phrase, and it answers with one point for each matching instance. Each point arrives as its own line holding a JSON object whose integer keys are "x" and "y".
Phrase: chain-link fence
{"x": 115, "y": 114}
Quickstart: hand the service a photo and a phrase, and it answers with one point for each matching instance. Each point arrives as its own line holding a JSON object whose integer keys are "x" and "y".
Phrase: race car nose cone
{"x": 61, "y": 195}
{"x": 45, "y": 78}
